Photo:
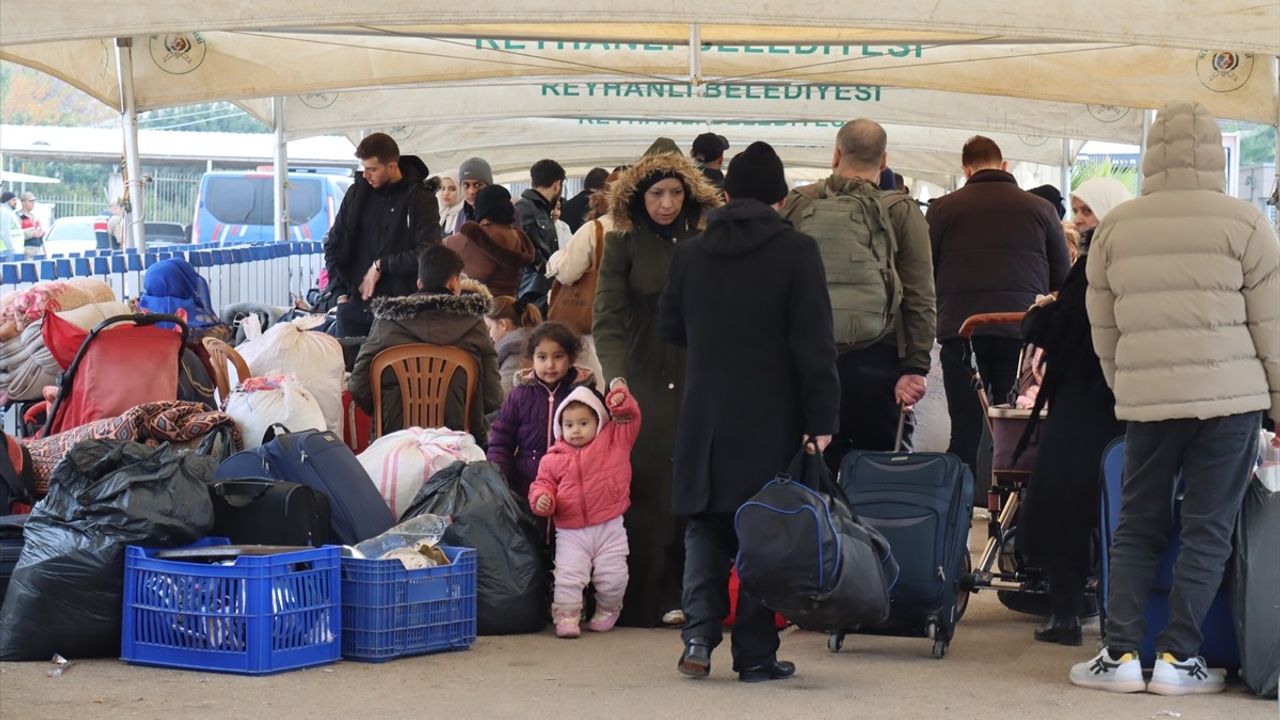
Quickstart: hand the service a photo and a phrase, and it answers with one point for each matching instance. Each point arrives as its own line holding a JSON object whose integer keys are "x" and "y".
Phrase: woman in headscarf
{"x": 174, "y": 287}
{"x": 1056, "y": 527}
{"x": 657, "y": 203}
{"x": 1092, "y": 201}
{"x": 451, "y": 201}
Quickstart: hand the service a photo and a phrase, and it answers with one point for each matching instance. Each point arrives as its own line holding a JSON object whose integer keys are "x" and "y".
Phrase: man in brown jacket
{"x": 1184, "y": 300}
{"x": 447, "y": 310}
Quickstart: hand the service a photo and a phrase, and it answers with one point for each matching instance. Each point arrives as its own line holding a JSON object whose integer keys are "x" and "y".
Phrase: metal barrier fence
{"x": 270, "y": 274}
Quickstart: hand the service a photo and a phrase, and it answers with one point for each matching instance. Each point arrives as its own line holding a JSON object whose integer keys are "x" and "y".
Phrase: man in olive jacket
{"x": 876, "y": 378}
{"x": 748, "y": 299}
{"x": 447, "y": 311}
{"x": 1184, "y": 300}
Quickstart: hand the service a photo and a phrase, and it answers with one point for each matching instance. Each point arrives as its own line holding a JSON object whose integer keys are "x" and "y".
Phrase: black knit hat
{"x": 756, "y": 173}
{"x": 493, "y": 203}
{"x": 1050, "y": 193}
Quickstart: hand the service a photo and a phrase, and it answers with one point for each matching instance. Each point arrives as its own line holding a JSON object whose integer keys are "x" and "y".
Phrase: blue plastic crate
{"x": 255, "y": 616}
{"x": 389, "y": 612}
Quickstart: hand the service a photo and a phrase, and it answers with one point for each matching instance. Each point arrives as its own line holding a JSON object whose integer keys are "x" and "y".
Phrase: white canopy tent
{"x": 1128, "y": 55}
{"x": 1243, "y": 24}
{"x": 743, "y": 103}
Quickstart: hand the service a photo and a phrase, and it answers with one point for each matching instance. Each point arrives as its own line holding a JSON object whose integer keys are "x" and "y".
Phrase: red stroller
{"x": 109, "y": 369}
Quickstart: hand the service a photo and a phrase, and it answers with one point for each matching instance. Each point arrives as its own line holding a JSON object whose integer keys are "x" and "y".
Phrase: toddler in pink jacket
{"x": 584, "y": 483}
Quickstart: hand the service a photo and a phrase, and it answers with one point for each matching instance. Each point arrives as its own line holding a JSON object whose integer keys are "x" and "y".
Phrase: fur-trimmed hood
{"x": 473, "y": 301}
{"x": 582, "y": 376}
{"x": 662, "y": 157}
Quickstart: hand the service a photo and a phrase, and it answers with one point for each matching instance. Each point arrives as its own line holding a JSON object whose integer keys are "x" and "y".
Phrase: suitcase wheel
{"x": 940, "y": 649}
{"x": 835, "y": 641}
{"x": 931, "y": 630}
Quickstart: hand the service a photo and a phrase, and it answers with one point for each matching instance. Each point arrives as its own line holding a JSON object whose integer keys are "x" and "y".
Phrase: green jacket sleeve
{"x": 612, "y": 313}
{"x": 919, "y": 309}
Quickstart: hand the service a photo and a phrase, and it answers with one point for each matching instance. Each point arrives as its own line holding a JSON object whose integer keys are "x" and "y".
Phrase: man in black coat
{"x": 748, "y": 298}
{"x": 387, "y": 218}
{"x": 574, "y": 210}
{"x": 995, "y": 248}
{"x": 534, "y": 212}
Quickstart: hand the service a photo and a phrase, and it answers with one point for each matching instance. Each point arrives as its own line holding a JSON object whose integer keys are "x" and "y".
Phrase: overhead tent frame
{"x": 1245, "y": 25}
{"x": 184, "y": 68}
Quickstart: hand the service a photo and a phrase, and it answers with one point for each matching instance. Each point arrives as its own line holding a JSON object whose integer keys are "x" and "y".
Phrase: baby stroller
{"x": 1019, "y": 585}
{"x": 118, "y": 364}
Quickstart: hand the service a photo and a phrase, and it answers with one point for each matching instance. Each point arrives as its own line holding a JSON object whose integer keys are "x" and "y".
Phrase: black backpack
{"x": 803, "y": 553}
{"x": 17, "y": 482}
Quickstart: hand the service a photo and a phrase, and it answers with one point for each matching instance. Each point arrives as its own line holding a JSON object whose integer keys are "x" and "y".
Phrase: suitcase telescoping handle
{"x": 903, "y": 410}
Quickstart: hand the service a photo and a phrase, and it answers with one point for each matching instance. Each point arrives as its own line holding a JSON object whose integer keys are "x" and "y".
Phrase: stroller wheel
{"x": 835, "y": 641}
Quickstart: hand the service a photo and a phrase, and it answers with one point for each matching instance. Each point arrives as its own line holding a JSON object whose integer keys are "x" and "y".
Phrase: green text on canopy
{"x": 839, "y": 93}
{"x": 898, "y": 51}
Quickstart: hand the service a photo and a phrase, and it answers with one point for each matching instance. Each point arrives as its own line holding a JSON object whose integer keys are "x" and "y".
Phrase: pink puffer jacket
{"x": 592, "y": 484}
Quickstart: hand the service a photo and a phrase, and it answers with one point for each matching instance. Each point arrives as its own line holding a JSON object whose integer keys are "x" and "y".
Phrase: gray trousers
{"x": 1215, "y": 459}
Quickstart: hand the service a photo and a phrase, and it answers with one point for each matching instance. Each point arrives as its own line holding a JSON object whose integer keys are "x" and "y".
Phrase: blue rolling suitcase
{"x": 1219, "y": 649}
{"x": 923, "y": 504}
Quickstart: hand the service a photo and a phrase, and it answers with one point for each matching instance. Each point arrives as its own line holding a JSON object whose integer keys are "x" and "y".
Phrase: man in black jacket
{"x": 534, "y": 212}
{"x": 387, "y": 218}
{"x": 574, "y": 210}
{"x": 748, "y": 298}
{"x": 995, "y": 248}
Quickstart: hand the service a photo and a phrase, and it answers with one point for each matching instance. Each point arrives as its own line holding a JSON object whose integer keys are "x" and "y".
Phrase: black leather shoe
{"x": 769, "y": 671}
{"x": 1061, "y": 630}
{"x": 695, "y": 661}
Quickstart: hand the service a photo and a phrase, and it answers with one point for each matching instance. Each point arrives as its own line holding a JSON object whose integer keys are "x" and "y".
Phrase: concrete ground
{"x": 993, "y": 670}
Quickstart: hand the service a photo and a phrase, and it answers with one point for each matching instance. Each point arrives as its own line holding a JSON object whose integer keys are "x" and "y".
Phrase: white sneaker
{"x": 1103, "y": 673}
{"x": 1192, "y": 677}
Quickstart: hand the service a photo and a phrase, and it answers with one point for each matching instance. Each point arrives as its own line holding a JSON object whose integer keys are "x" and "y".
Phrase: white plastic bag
{"x": 1269, "y": 462}
{"x": 401, "y": 462}
{"x": 262, "y": 402}
{"x": 313, "y": 358}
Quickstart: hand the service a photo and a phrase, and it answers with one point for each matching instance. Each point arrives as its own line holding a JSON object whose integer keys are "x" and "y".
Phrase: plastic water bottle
{"x": 424, "y": 529}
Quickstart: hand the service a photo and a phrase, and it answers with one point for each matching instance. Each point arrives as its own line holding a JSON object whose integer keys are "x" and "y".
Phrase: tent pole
{"x": 280, "y": 171}
{"x": 1148, "y": 116}
{"x": 129, "y": 125}
{"x": 1066, "y": 168}
{"x": 1275, "y": 189}
{"x": 695, "y": 59}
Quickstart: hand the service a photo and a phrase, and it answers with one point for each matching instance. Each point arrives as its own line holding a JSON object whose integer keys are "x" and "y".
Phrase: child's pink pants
{"x": 595, "y": 554}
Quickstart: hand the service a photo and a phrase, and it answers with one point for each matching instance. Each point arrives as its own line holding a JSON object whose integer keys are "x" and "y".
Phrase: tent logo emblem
{"x": 320, "y": 100}
{"x": 400, "y": 133}
{"x": 177, "y": 53}
{"x": 1033, "y": 140}
{"x": 1223, "y": 71}
{"x": 1108, "y": 113}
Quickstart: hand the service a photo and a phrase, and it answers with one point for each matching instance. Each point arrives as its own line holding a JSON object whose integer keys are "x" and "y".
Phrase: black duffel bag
{"x": 802, "y": 552}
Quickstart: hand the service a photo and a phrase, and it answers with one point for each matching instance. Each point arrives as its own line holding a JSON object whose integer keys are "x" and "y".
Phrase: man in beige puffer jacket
{"x": 1184, "y": 300}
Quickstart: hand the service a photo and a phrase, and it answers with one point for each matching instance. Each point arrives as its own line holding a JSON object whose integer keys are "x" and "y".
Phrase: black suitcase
{"x": 923, "y": 503}
{"x": 263, "y": 512}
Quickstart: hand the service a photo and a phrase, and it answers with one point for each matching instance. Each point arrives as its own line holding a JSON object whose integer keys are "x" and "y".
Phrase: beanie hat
{"x": 475, "y": 168}
{"x": 586, "y": 395}
{"x": 709, "y": 147}
{"x": 493, "y": 203}
{"x": 1050, "y": 193}
{"x": 7, "y": 196}
{"x": 756, "y": 173}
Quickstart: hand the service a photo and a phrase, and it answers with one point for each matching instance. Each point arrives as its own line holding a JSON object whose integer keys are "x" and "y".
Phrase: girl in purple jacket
{"x": 522, "y": 431}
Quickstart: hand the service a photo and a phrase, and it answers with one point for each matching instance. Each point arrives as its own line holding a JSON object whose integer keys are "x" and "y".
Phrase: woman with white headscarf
{"x": 451, "y": 200}
{"x": 1092, "y": 201}
{"x": 1056, "y": 527}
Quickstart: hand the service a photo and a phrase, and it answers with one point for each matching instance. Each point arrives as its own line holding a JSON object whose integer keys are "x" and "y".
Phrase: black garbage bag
{"x": 66, "y": 592}
{"x": 1256, "y": 591}
{"x": 511, "y": 562}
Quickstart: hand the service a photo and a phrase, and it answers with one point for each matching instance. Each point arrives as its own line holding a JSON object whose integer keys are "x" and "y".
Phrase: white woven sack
{"x": 400, "y": 463}
{"x": 290, "y": 405}
{"x": 313, "y": 358}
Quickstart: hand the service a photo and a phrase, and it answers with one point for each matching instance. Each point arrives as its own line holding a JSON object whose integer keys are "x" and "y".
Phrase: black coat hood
{"x": 741, "y": 227}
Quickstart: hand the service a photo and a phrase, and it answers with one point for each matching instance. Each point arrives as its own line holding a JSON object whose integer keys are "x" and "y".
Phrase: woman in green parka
{"x": 657, "y": 203}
